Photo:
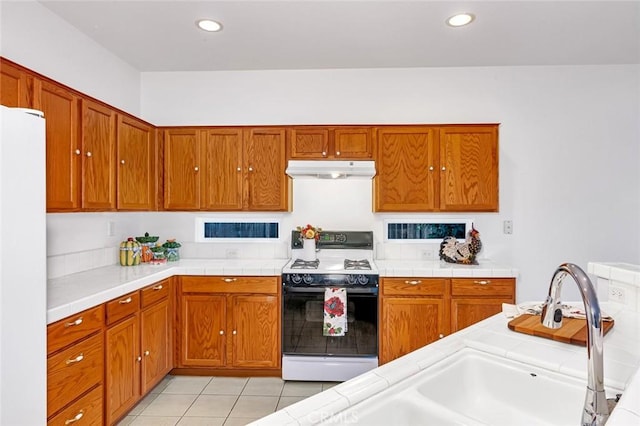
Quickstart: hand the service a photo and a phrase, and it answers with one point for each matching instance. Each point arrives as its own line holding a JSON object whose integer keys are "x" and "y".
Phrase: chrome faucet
{"x": 596, "y": 410}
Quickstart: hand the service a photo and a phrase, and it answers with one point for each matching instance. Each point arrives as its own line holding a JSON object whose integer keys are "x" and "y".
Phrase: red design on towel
{"x": 334, "y": 307}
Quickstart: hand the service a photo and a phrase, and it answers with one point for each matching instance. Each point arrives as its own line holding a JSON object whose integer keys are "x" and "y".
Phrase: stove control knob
{"x": 308, "y": 279}
{"x": 352, "y": 279}
{"x": 296, "y": 278}
{"x": 363, "y": 279}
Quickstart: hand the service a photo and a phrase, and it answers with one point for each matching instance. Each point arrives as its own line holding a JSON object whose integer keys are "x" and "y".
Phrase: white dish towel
{"x": 335, "y": 311}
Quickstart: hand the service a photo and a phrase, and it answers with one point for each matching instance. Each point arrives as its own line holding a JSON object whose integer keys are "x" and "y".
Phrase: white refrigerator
{"x": 23, "y": 263}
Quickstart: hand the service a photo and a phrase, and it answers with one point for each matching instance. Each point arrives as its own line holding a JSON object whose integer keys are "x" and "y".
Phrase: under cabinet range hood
{"x": 329, "y": 169}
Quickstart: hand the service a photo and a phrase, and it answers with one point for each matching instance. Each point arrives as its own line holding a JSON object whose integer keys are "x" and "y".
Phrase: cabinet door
{"x": 265, "y": 162}
{"x": 14, "y": 86}
{"x": 136, "y": 165}
{"x": 469, "y": 168}
{"x": 407, "y": 166}
{"x": 203, "y": 328}
{"x": 222, "y": 182}
{"x": 99, "y": 156}
{"x": 468, "y": 311}
{"x": 408, "y": 324}
{"x": 255, "y": 331}
{"x": 122, "y": 376}
{"x": 155, "y": 325}
{"x": 308, "y": 143}
{"x": 181, "y": 169}
{"x": 353, "y": 143}
{"x": 60, "y": 107}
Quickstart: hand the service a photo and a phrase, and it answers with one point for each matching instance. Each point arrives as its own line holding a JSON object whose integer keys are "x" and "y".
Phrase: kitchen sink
{"x": 476, "y": 388}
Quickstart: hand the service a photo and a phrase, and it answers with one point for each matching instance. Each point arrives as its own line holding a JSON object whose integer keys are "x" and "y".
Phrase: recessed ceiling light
{"x": 460, "y": 19}
{"x": 209, "y": 25}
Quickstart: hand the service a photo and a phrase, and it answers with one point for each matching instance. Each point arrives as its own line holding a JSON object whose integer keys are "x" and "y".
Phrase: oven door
{"x": 303, "y": 319}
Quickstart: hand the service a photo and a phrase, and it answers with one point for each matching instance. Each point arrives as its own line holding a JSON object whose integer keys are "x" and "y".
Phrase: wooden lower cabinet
{"x": 230, "y": 322}
{"x": 414, "y": 313}
{"x": 75, "y": 368}
{"x": 418, "y": 311}
{"x": 138, "y": 347}
{"x": 122, "y": 367}
{"x": 474, "y": 299}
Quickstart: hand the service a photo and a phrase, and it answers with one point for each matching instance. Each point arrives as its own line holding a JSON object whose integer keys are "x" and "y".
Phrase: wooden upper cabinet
{"x": 265, "y": 164}
{"x": 308, "y": 143}
{"x": 136, "y": 164}
{"x": 353, "y": 143}
{"x": 406, "y": 164}
{"x": 222, "y": 174}
{"x": 182, "y": 169}
{"x": 316, "y": 143}
{"x": 64, "y": 152}
{"x": 98, "y": 156}
{"x": 469, "y": 168}
{"x": 15, "y": 86}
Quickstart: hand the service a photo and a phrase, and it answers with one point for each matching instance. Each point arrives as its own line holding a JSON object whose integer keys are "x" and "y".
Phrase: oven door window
{"x": 303, "y": 318}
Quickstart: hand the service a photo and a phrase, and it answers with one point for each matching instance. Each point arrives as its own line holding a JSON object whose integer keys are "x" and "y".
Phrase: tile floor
{"x": 216, "y": 401}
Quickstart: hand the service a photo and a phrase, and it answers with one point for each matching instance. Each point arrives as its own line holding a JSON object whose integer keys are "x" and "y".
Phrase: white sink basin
{"x": 475, "y": 388}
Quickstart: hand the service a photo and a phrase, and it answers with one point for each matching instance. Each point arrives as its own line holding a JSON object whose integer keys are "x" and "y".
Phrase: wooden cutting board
{"x": 573, "y": 330}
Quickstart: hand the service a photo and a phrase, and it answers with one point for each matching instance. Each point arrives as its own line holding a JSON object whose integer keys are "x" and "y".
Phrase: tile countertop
{"x": 74, "y": 293}
{"x": 621, "y": 368}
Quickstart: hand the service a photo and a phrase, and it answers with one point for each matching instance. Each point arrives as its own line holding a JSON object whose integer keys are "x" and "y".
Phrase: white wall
{"x": 569, "y": 145}
{"x": 33, "y": 36}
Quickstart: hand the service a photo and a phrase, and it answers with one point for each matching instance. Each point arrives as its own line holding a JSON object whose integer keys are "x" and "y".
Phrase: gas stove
{"x": 344, "y": 258}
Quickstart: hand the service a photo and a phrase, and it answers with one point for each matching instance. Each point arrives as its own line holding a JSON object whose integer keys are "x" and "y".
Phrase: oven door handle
{"x": 321, "y": 289}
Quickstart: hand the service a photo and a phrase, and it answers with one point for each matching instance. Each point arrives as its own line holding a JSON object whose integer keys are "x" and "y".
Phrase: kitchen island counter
{"x": 621, "y": 369}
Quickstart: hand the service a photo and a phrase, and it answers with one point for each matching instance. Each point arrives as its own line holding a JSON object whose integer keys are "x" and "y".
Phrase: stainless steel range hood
{"x": 329, "y": 169}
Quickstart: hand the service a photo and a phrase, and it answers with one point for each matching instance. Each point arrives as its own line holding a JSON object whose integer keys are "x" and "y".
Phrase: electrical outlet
{"x": 507, "y": 226}
{"x": 111, "y": 228}
{"x": 231, "y": 254}
{"x": 427, "y": 254}
{"x": 616, "y": 294}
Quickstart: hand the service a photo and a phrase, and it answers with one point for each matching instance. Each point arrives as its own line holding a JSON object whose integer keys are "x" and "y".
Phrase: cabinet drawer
{"x": 483, "y": 287}
{"x": 155, "y": 292}
{"x": 74, "y": 371}
{"x": 71, "y": 329}
{"x": 87, "y": 411}
{"x": 122, "y": 307}
{"x": 414, "y": 286}
{"x": 229, "y": 284}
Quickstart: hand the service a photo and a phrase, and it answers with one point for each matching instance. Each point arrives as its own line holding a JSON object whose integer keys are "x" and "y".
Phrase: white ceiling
{"x": 307, "y": 34}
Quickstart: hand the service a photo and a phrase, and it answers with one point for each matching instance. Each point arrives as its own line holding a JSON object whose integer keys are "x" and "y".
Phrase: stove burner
{"x": 305, "y": 264}
{"x": 357, "y": 264}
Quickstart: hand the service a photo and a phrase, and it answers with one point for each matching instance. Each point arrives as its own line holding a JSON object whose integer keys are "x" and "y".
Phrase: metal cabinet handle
{"x": 324, "y": 153}
{"x": 139, "y": 359}
{"x": 146, "y": 353}
{"x": 88, "y": 154}
{"x": 121, "y": 161}
{"x": 196, "y": 168}
{"x": 239, "y": 169}
{"x": 250, "y": 169}
{"x": 229, "y": 280}
{"x": 443, "y": 168}
{"x": 337, "y": 152}
{"x": 222, "y": 332}
{"x": 482, "y": 282}
{"x": 234, "y": 332}
{"x": 77, "y": 151}
{"x": 125, "y": 301}
{"x": 413, "y": 282}
{"x": 75, "y": 360}
{"x": 74, "y": 323}
{"x": 430, "y": 168}
{"x": 158, "y": 287}
{"x": 441, "y": 336}
{"x": 75, "y": 419}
